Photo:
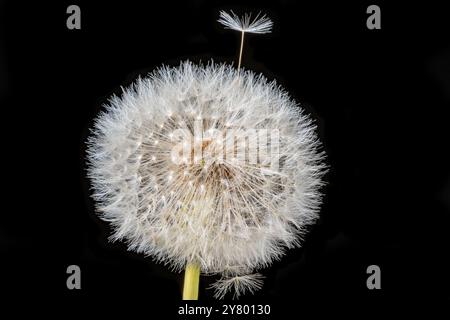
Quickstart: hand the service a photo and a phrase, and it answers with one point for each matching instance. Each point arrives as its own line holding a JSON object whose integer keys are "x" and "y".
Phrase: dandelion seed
{"x": 238, "y": 285}
{"x": 245, "y": 24}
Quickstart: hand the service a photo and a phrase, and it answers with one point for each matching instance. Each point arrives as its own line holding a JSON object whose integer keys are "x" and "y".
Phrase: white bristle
{"x": 259, "y": 24}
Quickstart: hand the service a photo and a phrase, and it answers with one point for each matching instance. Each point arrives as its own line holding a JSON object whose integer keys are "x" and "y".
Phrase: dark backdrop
{"x": 380, "y": 98}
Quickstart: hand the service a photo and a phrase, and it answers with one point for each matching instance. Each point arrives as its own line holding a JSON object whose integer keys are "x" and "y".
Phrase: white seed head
{"x": 212, "y": 207}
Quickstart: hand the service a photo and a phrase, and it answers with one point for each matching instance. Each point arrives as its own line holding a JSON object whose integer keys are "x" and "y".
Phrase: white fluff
{"x": 227, "y": 215}
{"x": 259, "y": 24}
{"x": 239, "y": 285}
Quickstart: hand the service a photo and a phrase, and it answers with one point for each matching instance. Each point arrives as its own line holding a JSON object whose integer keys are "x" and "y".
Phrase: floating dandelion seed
{"x": 214, "y": 211}
{"x": 259, "y": 24}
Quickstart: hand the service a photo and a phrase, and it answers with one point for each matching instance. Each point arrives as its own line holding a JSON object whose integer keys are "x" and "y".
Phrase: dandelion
{"x": 214, "y": 211}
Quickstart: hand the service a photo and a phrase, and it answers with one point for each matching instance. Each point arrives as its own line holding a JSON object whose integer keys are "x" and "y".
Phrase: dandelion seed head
{"x": 206, "y": 208}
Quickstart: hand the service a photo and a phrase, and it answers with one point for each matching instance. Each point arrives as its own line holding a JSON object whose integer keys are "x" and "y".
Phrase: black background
{"x": 380, "y": 99}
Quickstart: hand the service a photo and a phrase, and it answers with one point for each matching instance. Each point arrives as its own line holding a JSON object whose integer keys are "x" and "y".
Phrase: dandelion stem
{"x": 191, "y": 281}
{"x": 240, "y": 51}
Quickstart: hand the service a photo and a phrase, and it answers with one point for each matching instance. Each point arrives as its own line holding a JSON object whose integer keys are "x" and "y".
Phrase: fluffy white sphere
{"x": 209, "y": 165}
